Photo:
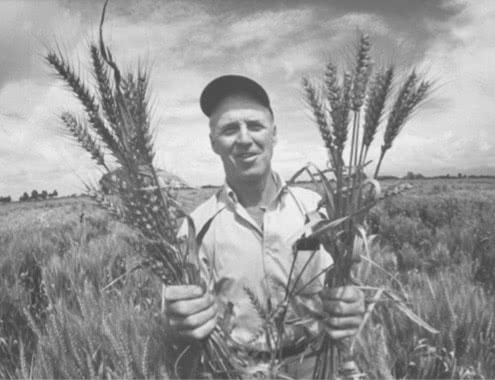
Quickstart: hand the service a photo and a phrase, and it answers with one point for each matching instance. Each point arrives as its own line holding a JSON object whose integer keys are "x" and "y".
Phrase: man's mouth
{"x": 246, "y": 157}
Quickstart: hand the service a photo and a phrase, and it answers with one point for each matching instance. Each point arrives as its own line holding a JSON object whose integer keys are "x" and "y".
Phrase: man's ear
{"x": 275, "y": 135}
{"x": 213, "y": 143}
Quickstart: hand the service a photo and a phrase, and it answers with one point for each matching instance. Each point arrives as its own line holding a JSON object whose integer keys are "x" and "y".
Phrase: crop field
{"x": 75, "y": 301}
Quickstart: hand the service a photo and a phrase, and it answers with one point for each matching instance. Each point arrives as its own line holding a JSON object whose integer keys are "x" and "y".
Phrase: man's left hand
{"x": 344, "y": 307}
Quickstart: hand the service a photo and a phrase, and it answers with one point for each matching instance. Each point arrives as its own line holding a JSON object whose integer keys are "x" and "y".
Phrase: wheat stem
{"x": 351, "y": 167}
{"x": 378, "y": 166}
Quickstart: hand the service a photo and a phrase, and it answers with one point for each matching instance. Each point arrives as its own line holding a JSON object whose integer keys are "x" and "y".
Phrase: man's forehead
{"x": 238, "y": 105}
{"x": 241, "y": 116}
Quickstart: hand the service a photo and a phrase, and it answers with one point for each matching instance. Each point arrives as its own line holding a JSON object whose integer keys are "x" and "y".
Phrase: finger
{"x": 343, "y": 293}
{"x": 196, "y": 320}
{"x": 202, "y": 331}
{"x": 311, "y": 310}
{"x": 182, "y": 292}
{"x": 343, "y": 323}
{"x": 335, "y": 334}
{"x": 339, "y": 308}
{"x": 192, "y": 321}
{"x": 190, "y": 306}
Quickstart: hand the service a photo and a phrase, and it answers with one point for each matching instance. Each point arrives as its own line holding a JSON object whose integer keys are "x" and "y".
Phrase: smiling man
{"x": 248, "y": 229}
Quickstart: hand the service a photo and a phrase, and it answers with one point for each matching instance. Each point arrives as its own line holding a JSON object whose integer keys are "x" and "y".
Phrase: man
{"x": 249, "y": 228}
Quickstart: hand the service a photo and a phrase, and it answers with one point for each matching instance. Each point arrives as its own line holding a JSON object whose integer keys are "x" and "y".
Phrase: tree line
{"x": 35, "y": 196}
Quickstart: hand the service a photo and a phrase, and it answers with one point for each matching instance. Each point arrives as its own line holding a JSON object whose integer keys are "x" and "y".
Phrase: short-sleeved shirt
{"x": 248, "y": 263}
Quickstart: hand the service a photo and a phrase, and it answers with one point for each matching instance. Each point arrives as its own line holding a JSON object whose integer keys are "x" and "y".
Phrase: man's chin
{"x": 251, "y": 175}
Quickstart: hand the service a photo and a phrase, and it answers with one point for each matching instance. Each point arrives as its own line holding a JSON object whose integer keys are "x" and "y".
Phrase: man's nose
{"x": 244, "y": 136}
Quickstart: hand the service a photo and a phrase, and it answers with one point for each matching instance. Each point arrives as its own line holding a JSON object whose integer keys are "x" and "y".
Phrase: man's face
{"x": 242, "y": 133}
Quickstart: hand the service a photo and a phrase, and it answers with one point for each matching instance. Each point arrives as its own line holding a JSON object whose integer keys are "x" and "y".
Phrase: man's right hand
{"x": 190, "y": 312}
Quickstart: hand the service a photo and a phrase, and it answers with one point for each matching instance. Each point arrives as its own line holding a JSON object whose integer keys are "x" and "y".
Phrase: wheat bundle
{"x": 349, "y": 110}
{"x": 116, "y": 132}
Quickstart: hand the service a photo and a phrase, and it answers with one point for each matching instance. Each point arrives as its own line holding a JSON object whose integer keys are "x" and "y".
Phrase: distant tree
{"x": 44, "y": 194}
{"x": 419, "y": 176}
{"x": 53, "y": 194}
{"x": 411, "y": 175}
{"x": 387, "y": 177}
{"x": 24, "y": 197}
{"x": 34, "y": 195}
{"x": 6, "y": 199}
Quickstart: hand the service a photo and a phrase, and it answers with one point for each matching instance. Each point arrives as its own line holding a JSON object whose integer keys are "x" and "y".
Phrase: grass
{"x": 438, "y": 239}
{"x": 87, "y": 328}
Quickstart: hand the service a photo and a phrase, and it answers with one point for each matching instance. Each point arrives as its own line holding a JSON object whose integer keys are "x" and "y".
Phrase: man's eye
{"x": 229, "y": 130}
{"x": 256, "y": 127}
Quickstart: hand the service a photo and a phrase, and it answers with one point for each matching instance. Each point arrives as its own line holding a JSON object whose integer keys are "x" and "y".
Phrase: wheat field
{"x": 75, "y": 304}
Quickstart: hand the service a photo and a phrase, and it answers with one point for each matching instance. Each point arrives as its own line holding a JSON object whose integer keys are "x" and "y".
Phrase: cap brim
{"x": 226, "y": 85}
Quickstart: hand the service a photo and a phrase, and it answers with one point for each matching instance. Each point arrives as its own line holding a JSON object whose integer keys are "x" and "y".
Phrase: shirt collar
{"x": 229, "y": 194}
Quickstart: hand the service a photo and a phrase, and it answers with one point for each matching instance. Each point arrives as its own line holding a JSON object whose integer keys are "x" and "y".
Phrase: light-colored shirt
{"x": 243, "y": 259}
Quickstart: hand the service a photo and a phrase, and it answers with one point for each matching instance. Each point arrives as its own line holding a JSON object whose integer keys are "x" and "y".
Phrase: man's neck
{"x": 255, "y": 193}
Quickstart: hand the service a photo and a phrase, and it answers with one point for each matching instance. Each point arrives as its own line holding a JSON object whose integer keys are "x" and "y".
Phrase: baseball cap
{"x": 225, "y": 85}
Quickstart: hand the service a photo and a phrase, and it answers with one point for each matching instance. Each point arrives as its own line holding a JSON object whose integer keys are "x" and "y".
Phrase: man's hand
{"x": 190, "y": 312}
{"x": 345, "y": 308}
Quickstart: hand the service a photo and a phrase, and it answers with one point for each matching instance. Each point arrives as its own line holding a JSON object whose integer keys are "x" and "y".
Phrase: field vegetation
{"x": 80, "y": 293}
{"x": 75, "y": 303}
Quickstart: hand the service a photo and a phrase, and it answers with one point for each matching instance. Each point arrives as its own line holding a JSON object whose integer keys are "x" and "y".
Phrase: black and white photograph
{"x": 247, "y": 189}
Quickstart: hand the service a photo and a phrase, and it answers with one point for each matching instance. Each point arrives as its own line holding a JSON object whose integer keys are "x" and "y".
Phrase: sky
{"x": 277, "y": 43}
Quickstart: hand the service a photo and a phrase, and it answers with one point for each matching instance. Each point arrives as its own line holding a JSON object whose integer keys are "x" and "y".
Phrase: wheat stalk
{"x": 315, "y": 101}
{"x": 105, "y": 92}
{"x": 410, "y": 96}
{"x": 349, "y": 195}
{"x": 362, "y": 72}
{"x": 65, "y": 71}
{"x": 81, "y": 132}
{"x": 378, "y": 93}
{"x": 334, "y": 95}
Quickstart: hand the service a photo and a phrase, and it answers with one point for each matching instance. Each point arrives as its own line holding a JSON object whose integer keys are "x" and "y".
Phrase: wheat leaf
{"x": 367, "y": 315}
{"x": 329, "y": 197}
{"x": 410, "y": 314}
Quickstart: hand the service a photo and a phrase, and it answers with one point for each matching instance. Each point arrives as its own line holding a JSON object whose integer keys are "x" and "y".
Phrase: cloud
{"x": 26, "y": 27}
{"x": 461, "y": 132}
{"x": 360, "y": 21}
{"x": 188, "y": 43}
{"x": 404, "y": 10}
{"x": 278, "y": 25}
